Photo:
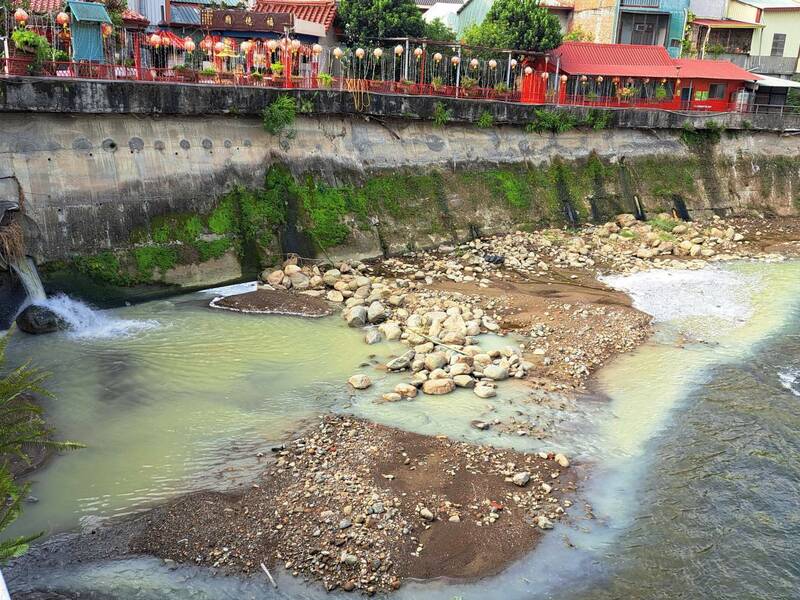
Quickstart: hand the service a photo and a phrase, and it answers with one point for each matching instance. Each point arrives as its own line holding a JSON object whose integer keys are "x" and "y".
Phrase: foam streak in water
{"x": 790, "y": 379}
{"x": 670, "y": 295}
{"x": 86, "y": 322}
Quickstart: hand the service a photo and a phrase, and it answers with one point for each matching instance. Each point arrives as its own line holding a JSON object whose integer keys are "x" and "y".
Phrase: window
{"x": 778, "y": 43}
{"x": 717, "y": 91}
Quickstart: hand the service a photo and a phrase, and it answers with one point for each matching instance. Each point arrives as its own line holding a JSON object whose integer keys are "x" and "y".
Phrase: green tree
{"x": 21, "y": 426}
{"x": 437, "y": 30}
{"x": 364, "y": 20}
{"x": 517, "y": 24}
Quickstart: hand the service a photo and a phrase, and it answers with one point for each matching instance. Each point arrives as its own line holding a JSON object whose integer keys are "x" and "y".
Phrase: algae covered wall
{"x": 129, "y": 200}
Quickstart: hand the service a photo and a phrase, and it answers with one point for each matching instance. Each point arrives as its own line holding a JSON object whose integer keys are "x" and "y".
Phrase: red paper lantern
{"x": 219, "y": 47}
{"x": 188, "y": 44}
{"x": 206, "y": 44}
{"x": 106, "y": 29}
{"x": 20, "y": 16}
{"x": 62, "y": 19}
{"x": 155, "y": 40}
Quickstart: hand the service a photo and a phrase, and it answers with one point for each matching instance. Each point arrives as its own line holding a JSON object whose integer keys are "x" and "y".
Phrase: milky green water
{"x": 691, "y": 454}
{"x": 184, "y": 399}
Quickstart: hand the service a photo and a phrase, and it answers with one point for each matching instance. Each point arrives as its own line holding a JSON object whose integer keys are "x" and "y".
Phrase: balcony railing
{"x": 772, "y": 65}
{"x": 641, "y": 3}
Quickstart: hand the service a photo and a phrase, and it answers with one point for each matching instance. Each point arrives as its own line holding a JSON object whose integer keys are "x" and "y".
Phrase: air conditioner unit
{"x": 640, "y": 27}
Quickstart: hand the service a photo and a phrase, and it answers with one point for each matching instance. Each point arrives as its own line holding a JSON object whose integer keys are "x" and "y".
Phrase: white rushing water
{"x": 86, "y": 322}
{"x": 25, "y": 269}
{"x": 790, "y": 379}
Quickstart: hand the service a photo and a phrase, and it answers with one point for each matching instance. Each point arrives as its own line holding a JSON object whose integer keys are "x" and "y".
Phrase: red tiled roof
{"x": 623, "y": 60}
{"x": 134, "y": 17}
{"x": 713, "y": 69}
{"x": 316, "y": 11}
{"x": 44, "y": 6}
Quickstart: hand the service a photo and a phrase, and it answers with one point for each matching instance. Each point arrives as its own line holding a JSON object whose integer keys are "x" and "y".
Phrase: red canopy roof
{"x": 316, "y": 11}
{"x": 623, "y": 60}
{"x": 628, "y": 60}
{"x": 713, "y": 69}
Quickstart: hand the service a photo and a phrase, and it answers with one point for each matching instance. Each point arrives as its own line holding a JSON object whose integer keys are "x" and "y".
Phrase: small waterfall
{"x": 25, "y": 269}
{"x": 83, "y": 321}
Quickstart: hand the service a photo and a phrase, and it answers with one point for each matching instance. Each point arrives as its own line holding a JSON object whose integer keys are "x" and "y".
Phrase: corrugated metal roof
{"x": 89, "y": 12}
{"x": 624, "y": 60}
{"x": 713, "y": 69}
{"x": 726, "y": 24}
{"x": 317, "y": 11}
{"x": 184, "y": 15}
{"x": 429, "y": 3}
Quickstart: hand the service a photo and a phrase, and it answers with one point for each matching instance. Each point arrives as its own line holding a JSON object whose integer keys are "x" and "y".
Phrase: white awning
{"x": 767, "y": 81}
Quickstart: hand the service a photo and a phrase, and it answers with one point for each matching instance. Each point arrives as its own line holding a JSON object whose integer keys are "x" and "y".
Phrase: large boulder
{"x": 357, "y": 317}
{"x": 40, "y": 319}
{"x": 436, "y": 387}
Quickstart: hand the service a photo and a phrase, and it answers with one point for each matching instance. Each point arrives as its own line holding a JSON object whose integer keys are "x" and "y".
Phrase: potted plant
{"x": 468, "y": 84}
{"x": 184, "y": 72}
{"x": 256, "y": 77}
{"x": 660, "y": 93}
{"x": 325, "y": 80}
{"x": 437, "y": 84}
{"x": 406, "y": 86}
{"x": 625, "y": 93}
{"x": 208, "y": 74}
{"x": 33, "y": 49}
{"x": 276, "y": 69}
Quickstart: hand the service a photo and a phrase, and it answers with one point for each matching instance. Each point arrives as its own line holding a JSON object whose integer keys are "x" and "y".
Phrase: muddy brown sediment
{"x": 347, "y": 504}
{"x": 274, "y": 302}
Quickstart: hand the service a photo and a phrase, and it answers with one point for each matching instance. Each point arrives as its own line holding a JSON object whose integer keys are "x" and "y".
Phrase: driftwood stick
{"x": 266, "y": 570}
{"x": 437, "y": 342}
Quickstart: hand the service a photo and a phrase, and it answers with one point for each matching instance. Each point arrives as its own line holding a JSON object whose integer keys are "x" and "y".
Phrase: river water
{"x": 691, "y": 444}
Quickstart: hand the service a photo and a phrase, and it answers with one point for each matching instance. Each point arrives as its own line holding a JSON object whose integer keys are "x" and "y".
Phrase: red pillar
{"x": 137, "y": 53}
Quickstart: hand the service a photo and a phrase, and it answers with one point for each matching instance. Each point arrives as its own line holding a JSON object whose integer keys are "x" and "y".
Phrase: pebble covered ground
{"x": 361, "y": 506}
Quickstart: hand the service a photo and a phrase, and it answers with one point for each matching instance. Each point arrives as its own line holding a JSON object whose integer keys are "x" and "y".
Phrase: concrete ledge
{"x": 48, "y": 95}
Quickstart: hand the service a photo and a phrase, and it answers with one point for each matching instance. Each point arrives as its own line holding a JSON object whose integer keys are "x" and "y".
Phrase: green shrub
{"x": 213, "y": 249}
{"x": 552, "y": 121}
{"x": 279, "y": 115}
{"x": 325, "y": 79}
{"x": 663, "y": 223}
{"x": 441, "y": 114}
{"x": 150, "y": 258}
{"x": 103, "y": 266}
{"x": 486, "y": 120}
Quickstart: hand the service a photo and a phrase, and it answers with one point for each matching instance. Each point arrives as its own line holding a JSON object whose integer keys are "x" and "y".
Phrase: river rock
{"x": 360, "y": 381}
{"x": 357, "y": 317}
{"x": 406, "y": 390}
{"x": 401, "y": 362}
{"x": 426, "y": 514}
{"x": 437, "y": 387}
{"x": 331, "y": 276}
{"x": 495, "y": 372}
{"x": 335, "y": 296}
{"x": 521, "y": 479}
{"x": 435, "y": 360}
{"x": 543, "y": 522}
{"x": 482, "y": 390}
{"x": 300, "y": 281}
{"x": 376, "y": 312}
{"x": 373, "y": 336}
{"x": 40, "y": 319}
{"x": 391, "y": 330}
{"x": 275, "y": 278}
{"x": 291, "y": 269}
{"x": 464, "y": 381}
{"x": 562, "y": 460}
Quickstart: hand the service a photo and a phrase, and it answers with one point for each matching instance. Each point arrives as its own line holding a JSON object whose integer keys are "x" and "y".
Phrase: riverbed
{"x": 692, "y": 452}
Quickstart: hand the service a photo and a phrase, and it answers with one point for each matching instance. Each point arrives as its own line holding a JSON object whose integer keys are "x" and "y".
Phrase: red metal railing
{"x": 534, "y": 89}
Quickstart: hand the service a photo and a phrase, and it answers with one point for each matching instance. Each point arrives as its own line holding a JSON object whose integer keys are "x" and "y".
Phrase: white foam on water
{"x": 231, "y": 290}
{"x": 86, "y": 322}
{"x": 790, "y": 379}
{"x": 681, "y": 294}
